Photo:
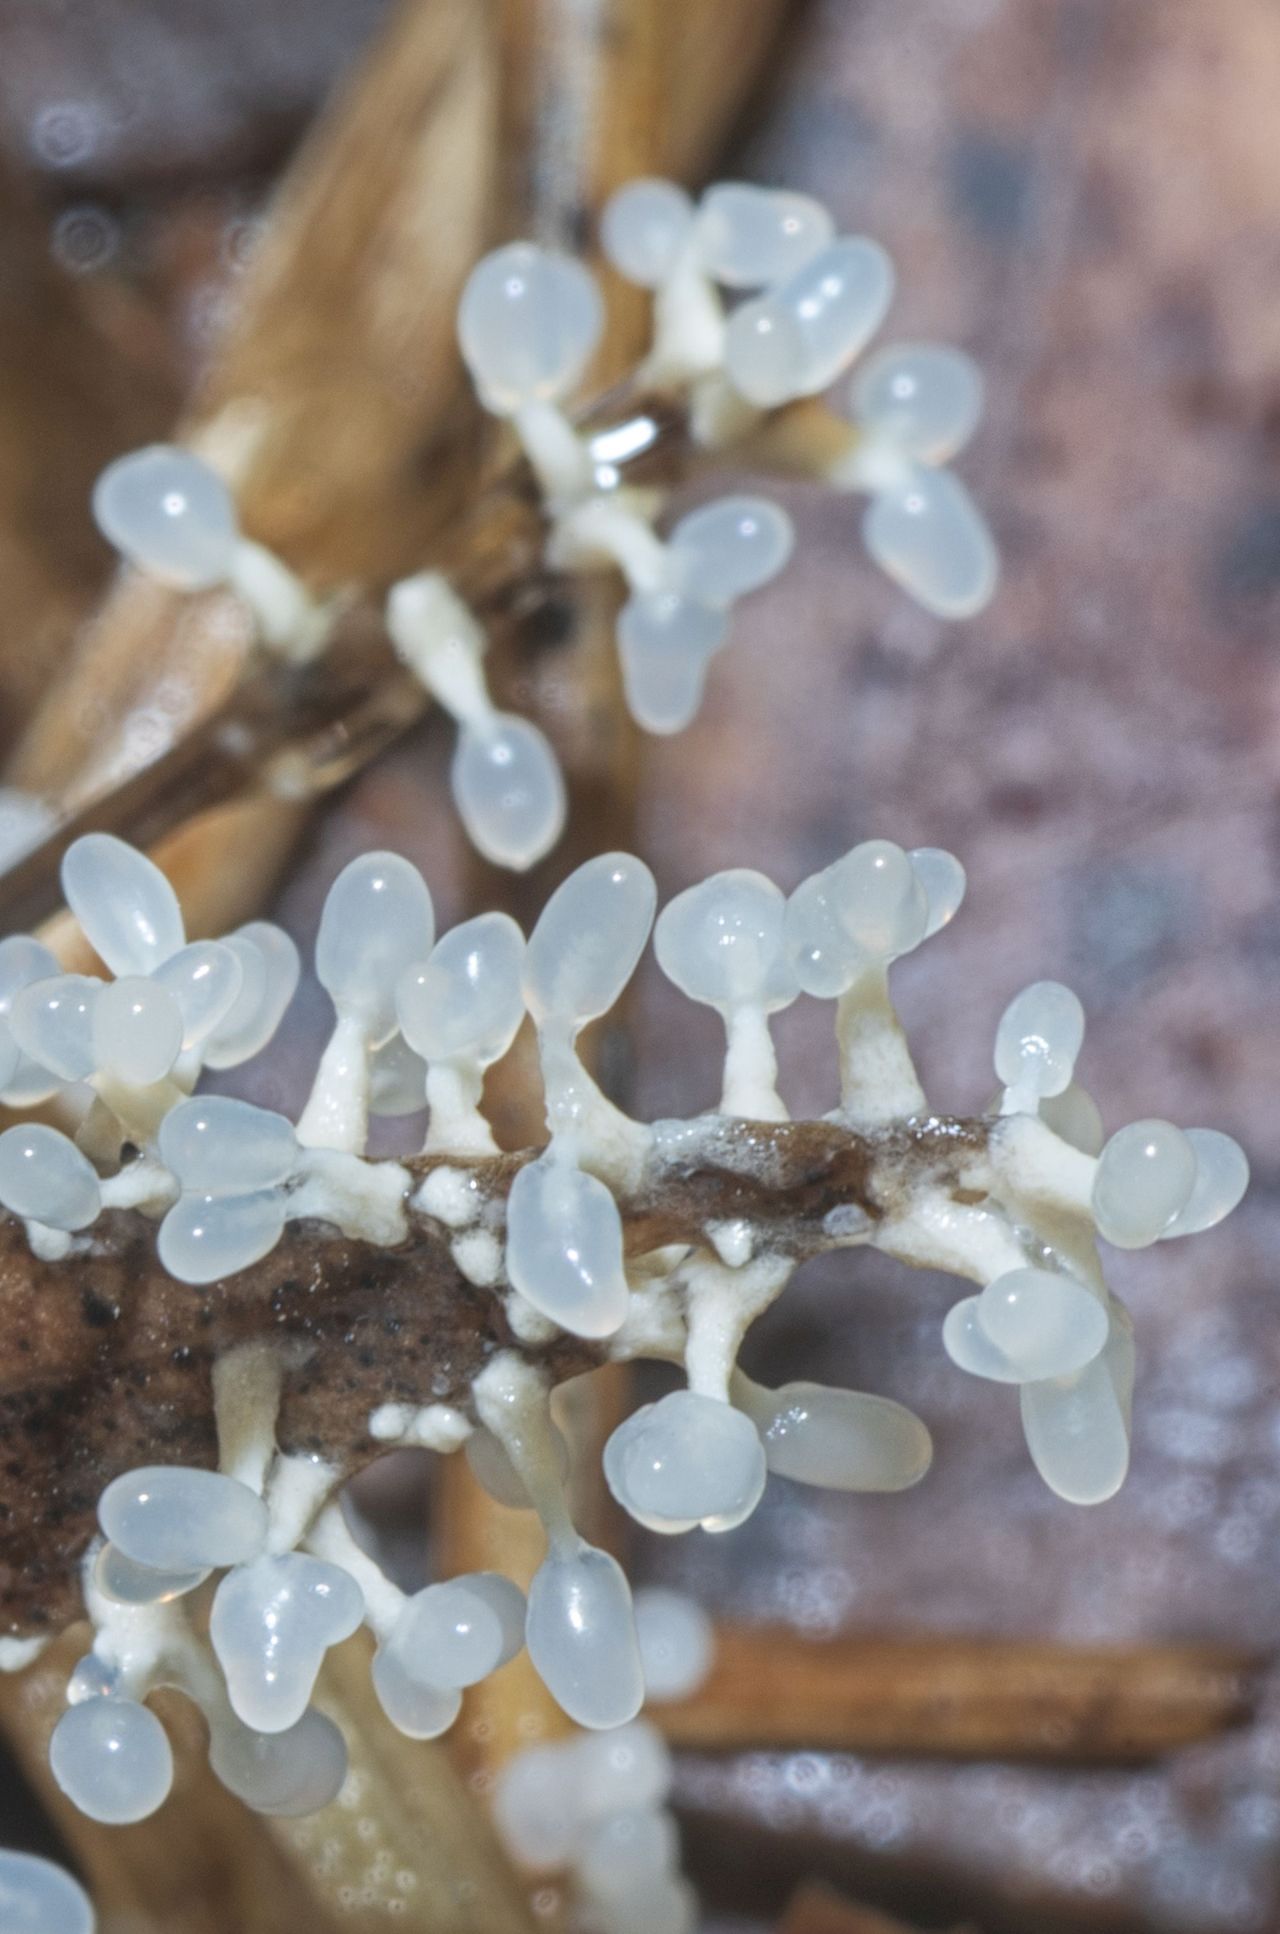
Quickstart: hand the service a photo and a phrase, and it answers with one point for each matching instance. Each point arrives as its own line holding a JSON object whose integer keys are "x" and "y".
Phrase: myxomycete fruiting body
{"x": 614, "y": 1240}
{"x": 759, "y": 306}
{"x": 229, "y": 1571}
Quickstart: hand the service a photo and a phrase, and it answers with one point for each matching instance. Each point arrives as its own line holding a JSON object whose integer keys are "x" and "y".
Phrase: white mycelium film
{"x": 222, "y": 1180}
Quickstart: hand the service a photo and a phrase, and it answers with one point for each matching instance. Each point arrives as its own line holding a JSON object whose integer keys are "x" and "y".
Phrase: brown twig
{"x": 964, "y": 1698}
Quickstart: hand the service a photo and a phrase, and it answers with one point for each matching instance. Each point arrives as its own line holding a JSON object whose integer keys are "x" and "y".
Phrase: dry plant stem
{"x": 405, "y": 1828}
{"x": 108, "y": 1358}
{"x": 83, "y": 375}
{"x": 959, "y": 1698}
{"x": 338, "y": 402}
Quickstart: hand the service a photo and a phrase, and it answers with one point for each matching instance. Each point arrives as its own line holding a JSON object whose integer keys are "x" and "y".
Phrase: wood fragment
{"x": 964, "y": 1698}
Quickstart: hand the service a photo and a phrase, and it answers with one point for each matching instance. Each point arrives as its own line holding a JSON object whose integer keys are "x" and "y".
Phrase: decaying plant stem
{"x": 108, "y": 1360}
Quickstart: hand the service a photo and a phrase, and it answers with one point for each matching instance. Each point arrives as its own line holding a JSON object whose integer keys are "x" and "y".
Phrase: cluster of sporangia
{"x": 807, "y": 304}
{"x": 419, "y": 1020}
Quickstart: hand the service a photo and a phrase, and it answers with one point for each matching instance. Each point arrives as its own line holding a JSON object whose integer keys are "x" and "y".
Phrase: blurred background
{"x": 1086, "y": 197}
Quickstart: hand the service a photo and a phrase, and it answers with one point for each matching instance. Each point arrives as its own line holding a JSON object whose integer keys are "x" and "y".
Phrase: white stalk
{"x": 439, "y": 638}
{"x": 750, "y": 1067}
{"x": 933, "y": 1231}
{"x": 246, "y": 1402}
{"x": 287, "y": 617}
{"x": 868, "y": 465}
{"x": 457, "y": 1126}
{"x": 688, "y": 327}
{"x": 513, "y": 1401}
{"x": 719, "y": 415}
{"x": 143, "y": 1184}
{"x": 559, "y": 458}
{"x": 134, "y": 1640}
{"x": 337, "y": 1110}
{"x": 721, "y": 1304}
{"x": 330, "y": 1538}
{"x": 878, "y": 1081}
{"x": 1022, "y": 1099}
{"x": 299, "y": 1485}
{"x": 590, "y": 1130}
{"x": 607, "y": 530}
{"x": 1040, "y": 1168}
